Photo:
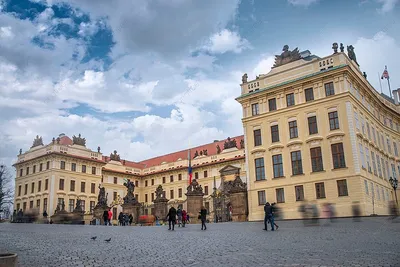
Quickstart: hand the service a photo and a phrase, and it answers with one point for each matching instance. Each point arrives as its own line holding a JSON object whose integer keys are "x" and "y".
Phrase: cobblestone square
{"x": 371, "y": 242}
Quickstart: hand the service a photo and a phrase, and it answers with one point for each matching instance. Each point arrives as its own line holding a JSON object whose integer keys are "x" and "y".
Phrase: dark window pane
{"x": 312, "y": 125}
{"x": 272, "y": 104}
{"x": 333, "y": 120}
{"x": 290, "y": 100}
{"x": 260, "y": 170}
{"x": 257, "y": 138}
{"x": 293, "y": 133}
{"x": 309, "y": 94}
{"x": 275, "y": 133}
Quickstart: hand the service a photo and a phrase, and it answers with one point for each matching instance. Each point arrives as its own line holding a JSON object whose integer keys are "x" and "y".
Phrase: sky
{"x": 150, "y": 77}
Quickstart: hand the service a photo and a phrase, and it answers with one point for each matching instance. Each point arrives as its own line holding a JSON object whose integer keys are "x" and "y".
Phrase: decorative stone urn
{"x": 8, "y": 260}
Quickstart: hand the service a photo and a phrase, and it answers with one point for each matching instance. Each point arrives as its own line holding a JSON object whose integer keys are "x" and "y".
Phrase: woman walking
{"x": 203, "y": 217}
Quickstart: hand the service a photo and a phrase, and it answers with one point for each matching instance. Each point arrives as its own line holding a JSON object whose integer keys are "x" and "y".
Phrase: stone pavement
{"x": 372, "y": 242}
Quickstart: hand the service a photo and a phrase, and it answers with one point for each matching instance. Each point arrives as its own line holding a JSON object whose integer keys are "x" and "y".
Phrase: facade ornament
{"x": 230, "y": 143}
{"x": 205, "y": 152}
{"x": 63, "y": 206}
{"x": 218, "y": 149}
{"x": 78, "y": 140}
{"x": 341, "y": 48}
{"x": 78, "y": 206}
{"x": 102, "y": 197}
{"x": 196, "y": 154}
{"x": 351, "y": 54}
{"x": 201, "y": 152}
{"x": 237, "y": 185}
{"x": 57, "y": 208}
{"x": 53, "y": 140}
{"x": 244, "y": 78}
{"x": 194, "y": 188}
{"x": 58, "y": 140}
{"x": 115, "y": 156}
{"x": 20, "y": 151}
{"x": 37, "y": 141}
{"x": 160, "y": 193}
{"x": 242, "y": 144}
{"x": 365, "y": 75}
{"x": 98, "y": 149}
{"x": 123, "y": 162}
{"x": 335, "y": 47}
{"x": 130, "y": 197}
{"x": 287, "y": 56}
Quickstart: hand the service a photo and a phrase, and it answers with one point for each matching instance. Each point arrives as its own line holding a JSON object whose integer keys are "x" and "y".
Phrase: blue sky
{"x": 148, "y": 77}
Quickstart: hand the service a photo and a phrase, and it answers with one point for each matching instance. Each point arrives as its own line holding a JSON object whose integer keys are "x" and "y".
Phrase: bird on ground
{"x": 108, "y": 240}
{"x": 93, "y": 237}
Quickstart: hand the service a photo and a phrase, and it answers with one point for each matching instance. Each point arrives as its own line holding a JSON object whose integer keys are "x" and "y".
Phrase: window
{"x": 299, "y": 192}
{"x": 40, "y": 186}
{"x": 44, "y": 204}
{"x": 136, "y": 183}
{"x": 73, "y": 167}
{"x": 342, "y": 188}
{"x": 333, "y": 120}
{"x": 93, "y": 188}
{"x": 83, "y": 185}
{"x": 38, "y": 203}
{"x": 61, "y": 184}
{"x": 374, "y": 135}
{"x": 60, "y": 202}
{"x": 396, "y": 152}
{"x": 206, "y": 190}
{"x": 254, "y": 109}
{"x": 115, "y": 195}
{"x": 31, "y": 204}
{"x": 114, "y": 213}
{"x": 272, "y": 104}
{"x": 33, "y": 188}
{"x": 275, "y": 133}
{"x": 180, "y": 192}
{"x": 373, "y": 162}
{"x": 180, "y": 177}
{"x": 34, "y": 169}
{"x": 20, "y": 172}
{"x": 163, "y": 180}
{"x": 26, "y": 189}
{"x": 329, "y": 89}
{"x": 196, "y": 175}
{"x": 257, "y": 137}
{"x": 278, "y": 166}
{"x": 62, "y": 165}
{"x": 18, "y": 206}
{"x": 152, "y": 197}
{"x": 72, "y": 186}
{"x": 115, "y": 180}
{"x": 261, "y": 198}
{"x": 93, "y": 170}
{"x": 171, "y": 193}
{"x": 260, "y": 171}
{"x": 92, "y": 205}
{"x": 316, "y": 159}
{"x": 290, "y": 99}
{"x": 356, "y": 119}
{"x": 46, "y": 184}
{"x": 309, "y": 94}
{"x": 361, "y": 149}
{"x": 84, "y": 168}
{"x": 280, "y": 195}
{"x": 338, "y": 156}
{"x": 19, "y": 190}
{"x": 388, "y": 145}
{"x": 27, "y": 170}
{"x": 152, "y": 181}
{"x": 394, "y": 171}
{"x": 41, "y": 167}
{"x": 362, "y": 125}
{"x": 47, "y": 165}
{"x": 366, "y": 187}
{"x": 387, "y": 169}
{"x": 23, "y": 206}
{"x": 383, "y": 167}
{"x": 171, "y": 179}
{"x": 293, "y": 129}
{"x": 145, "y": 183}
{"x": 368, "y": 160}
{"x": 378, "y": 161}
{"x": 205, "y": 174}
{"x": 297, "y": 166}
{"x": 71, "y": 205}
{"x": 320, "y": 190}
{"x": 368, "y": 131}
{"x": 312, "y": 125}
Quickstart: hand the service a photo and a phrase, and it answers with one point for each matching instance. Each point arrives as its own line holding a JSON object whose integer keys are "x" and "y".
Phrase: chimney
{"x": 396, "y": 96}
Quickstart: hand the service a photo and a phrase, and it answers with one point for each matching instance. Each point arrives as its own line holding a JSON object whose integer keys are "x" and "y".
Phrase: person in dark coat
{"x": 172, "y": 218}
{"x": 203, "y": 218}
{"x": 105, "y": 217}
{"x": 130, "y": 219}
{"x": 268, "y": 217}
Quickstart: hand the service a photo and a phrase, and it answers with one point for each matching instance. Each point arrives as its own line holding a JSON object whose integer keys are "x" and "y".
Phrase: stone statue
{"x": 365, "y": 75}
{"x": 78, "y": 206}
{"x": 196, "y": 154}
{"x": 78, "y": 140}
{"x": 53, "y": 140}
{"x": 37, "y": 141}
{"x": 194, "y": 188}
{"x": 123, "y": 162}
{"x": 237, "y": 185}
{"x": 58, "y": 140}
{"x": 102, "y": 198}
{"x": 218, "y": 149}
{"x": 98, "y": 149}
{"x": 115, "y": 156}
{"x": 159, "y": 193}
{"x": 341, "y": 48}
{"x": 335, "y": 47}
{"x": 242, "y": 144}
{"x": 287, "y": 56}
{"x": 244, "y": 78}
{"x": 351, "y": 54}
{"x": 63, "y": 206}
{"x": 205, "y": 152}
{"x": 57, "y": 208}
{"x": 230, "y": 143}
{"x": 201, "y": 152}
{"x": 20, "y": 151}
{"x": 130, "y": 197}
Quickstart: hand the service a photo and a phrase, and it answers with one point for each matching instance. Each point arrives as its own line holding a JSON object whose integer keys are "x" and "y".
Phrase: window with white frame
{"x": 368, "y": 159}
{"x": 373, "y": 162}
{"x": 362, "y": 155}
{"x": 357, "y": 122}
{"x": 366, "y": 187}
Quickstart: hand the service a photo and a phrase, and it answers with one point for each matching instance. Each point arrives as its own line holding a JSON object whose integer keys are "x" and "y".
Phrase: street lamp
{"x": 394, "y": 184}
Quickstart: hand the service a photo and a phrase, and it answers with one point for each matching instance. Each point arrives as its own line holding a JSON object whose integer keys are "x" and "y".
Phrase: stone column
{"x": 238, "y": 199}
{"x": 132, "y": 208}
{"x": 194, "y": 201}
{"x": 160, "y": 204}
{"x": 98, "y": 212}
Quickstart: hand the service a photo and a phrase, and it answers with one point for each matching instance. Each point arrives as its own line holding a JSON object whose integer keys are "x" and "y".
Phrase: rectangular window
{"x": 368, "y": 131}
{"x": 320, "y": 190}
{"x": 312, "y": 125}
{"x": 72, "y": 186}
{"x": 367, "y": 157}
{"x": 60, "y": 201}
{"x": 383, "y": 167}
{"x": 361, "y": 150}
{"x": 20, "y": 172}
{"x": 92, "y": 188}
{"x": 24, "y": 206}
{"x": 396, "y": 152}
{"x": 33, "y": 188}
{"x": 290, "y": 99}
{"x": 278, "y": 165}
{"x": 280, "y": 195}
{"x": 261, "y": 197}
{"x": 171, "y": 193}
{"x": 378, "y": 161}
{"x": 145, "y": 183}
{"x": 297, "y": 166}
{"x": 163, "y": 180}
{"x": 115, "y": 180}
{"x": 299, "y": 189}
{"x": 275, "y": 133}
{"x": 137, "y": 183}
{"x": 180, "y": 192}
{"x": 115, "y": 195}
{"x": 171, "y": 179}
{"x": 206, "y": 190}
{"x": 309, "y": 94}
{"x": 333, "y": 120}
{"x": 152, "y": 181}
{"x": 71, "y": 205}
{"x": 196, "y": 175}
{"x": 316, "y": 159}
{"x": 83, "y": 185}
{"x": 18, "y": 206}
{"x": 260, "y": 170}
{"x": 255, "y": 109}
{"x": 46, "y": 184}
{"x": 152, "y": 197}
{"x": 338, "y": 156}
{"x": 92, "y": 205}
{"x": 179, "y": 177}
{"x": 342, "y": 188}
{"x": 293, "y": 129}
{"x": 19, "y": 190}
{"x": 374, "y": 135}
{"x": 272, "y": 104}
{"x": 257, "y": 137}
{"x": 373, "y": 162}
{"x": 366, "y": 187}
{"x": 40, "y": 186}
{"x": 45, "y": 204}
{"x": 27, "y": 170}
{"x": 26, "y": 189}
{"x": 41, "y": 167}
{"x": 34, "y": 169}
{"x": 93, "y": 170}
{"x": 387, "y": 169}
{"x": 73, "y": 167}
{"x": 362, "y": 125}
{"x": 38, "y": 204}
{"x": 48, "y": 165}
{"x": 205, "y": 174}
{"x": 356, "y": 121}
{"x": 62, "y": 165}
{"x": 31, "y": 204}
{"x": 84, "y": 168}
{"x": 61, "y": 184}
{"x": 394, "y": 175}
{"x": 329, "y": 89}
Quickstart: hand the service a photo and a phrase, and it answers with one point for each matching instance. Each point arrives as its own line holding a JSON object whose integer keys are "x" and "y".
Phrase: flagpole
{"x": 380, "y": 83}
{"x": 390, "y": 91}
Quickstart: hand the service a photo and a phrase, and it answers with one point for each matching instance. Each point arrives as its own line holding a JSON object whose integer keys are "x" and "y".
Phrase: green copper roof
{"x": 291, "y": 81}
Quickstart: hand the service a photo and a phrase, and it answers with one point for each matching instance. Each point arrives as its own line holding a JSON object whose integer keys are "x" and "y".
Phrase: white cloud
{"x": 387, "y": 5}
{"x": 225, "y": 41}
{"x": 302, "y": 2}
{"x": 263, "y": 67}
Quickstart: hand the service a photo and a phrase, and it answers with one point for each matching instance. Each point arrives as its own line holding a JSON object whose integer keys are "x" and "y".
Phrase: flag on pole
{"x": 385, "y": 74}
{"x": 190, "y": 167}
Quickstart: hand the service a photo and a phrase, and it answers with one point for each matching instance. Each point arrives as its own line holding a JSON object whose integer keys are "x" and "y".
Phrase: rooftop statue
{"x": 230, "y": 143}
{"x": 78, "y": 140}
{"x": 37, "y": 141}
{"x": 244, "y": 78}
{"x": 130, "y": 197}
{"x": 115, "y": 156}
{"x": 287, "y": 56}
{"x": 351, "y": 54}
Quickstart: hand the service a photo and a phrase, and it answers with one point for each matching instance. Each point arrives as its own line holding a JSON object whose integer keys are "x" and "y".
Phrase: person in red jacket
{"x": 184, "y": 218}
{"x": 109, "y": 216}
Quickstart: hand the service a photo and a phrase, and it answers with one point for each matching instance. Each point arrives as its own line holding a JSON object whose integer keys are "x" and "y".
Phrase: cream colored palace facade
{"x": 316, "y": 130}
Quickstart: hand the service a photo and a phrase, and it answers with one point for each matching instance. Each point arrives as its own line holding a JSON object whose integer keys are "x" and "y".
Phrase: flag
{"x": 385, "y": 74}
{"x": 190, "y": 167}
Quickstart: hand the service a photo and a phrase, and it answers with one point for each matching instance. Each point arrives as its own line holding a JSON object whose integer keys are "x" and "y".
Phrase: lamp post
{"x": 394, "y": 184}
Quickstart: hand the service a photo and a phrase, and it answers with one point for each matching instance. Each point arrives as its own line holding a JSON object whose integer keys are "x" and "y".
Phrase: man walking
{"x": 171, "y": 218}
{"x": 268, "y": 217}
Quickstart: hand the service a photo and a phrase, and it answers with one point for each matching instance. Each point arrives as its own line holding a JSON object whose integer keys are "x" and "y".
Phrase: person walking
{"x": 109, "y": 216}
{"x": 179, "y": 214}
{"x": 187, "y": 218}
{"x": 268, "y": 217}
{"x": 105, "y": 217}
{"x": 184, "y": 218}
{"x": 121, "y": 219}
{"x": 274, "y": 212}
{"x": 130, "y": 219}
{"x": 171, "y": 218}
{"x": 203, "y": 218}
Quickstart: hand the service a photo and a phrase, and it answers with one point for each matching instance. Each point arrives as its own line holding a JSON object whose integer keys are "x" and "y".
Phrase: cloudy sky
{"x": 145, "y": 77}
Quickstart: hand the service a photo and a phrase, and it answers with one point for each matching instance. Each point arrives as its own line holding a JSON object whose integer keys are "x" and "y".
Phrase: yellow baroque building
{"x": 316, "y": 130}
